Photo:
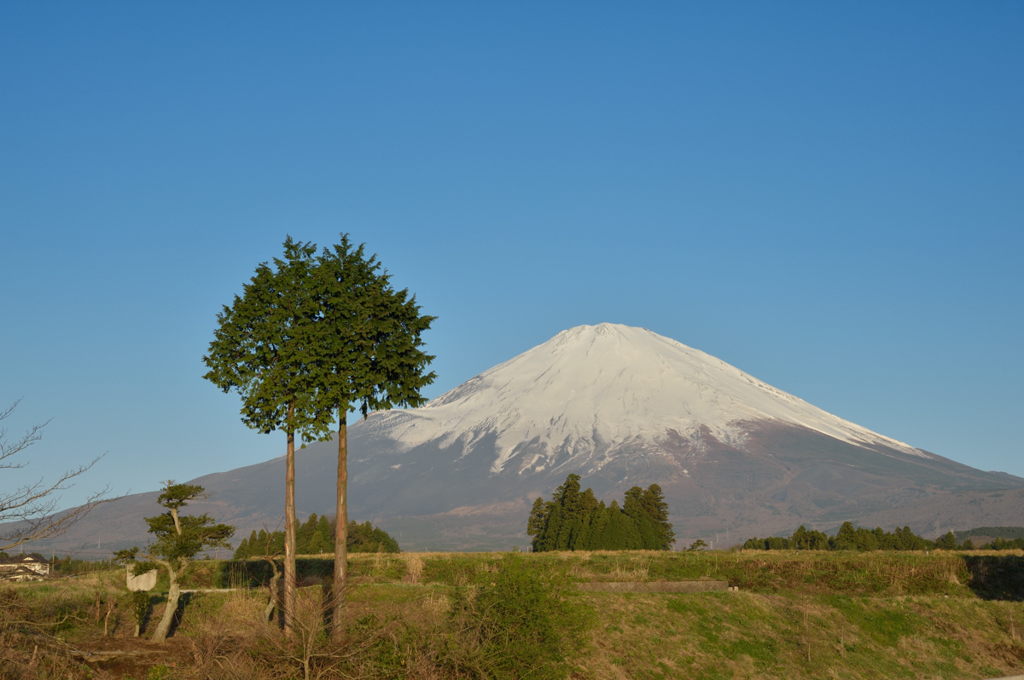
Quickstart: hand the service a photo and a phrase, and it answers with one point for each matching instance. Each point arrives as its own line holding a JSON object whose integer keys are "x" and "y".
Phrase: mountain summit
{"x": 593, "y": 393}
{"x": 624, "y": 406}
{"x": 620, "y": 407}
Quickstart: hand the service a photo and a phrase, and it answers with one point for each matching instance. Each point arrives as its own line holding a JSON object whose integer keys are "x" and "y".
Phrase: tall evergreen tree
{"x": 633, "y": 507}
{"x": 265, "y": 347}
{"x": 304, "y": 534}
{"x": 598, "y": 524}
{"x": 537, "y": 523}
{"x": 324, "y": 537}
{"x": 369, "y": 359}
{"x": 552, "y": 530}
{"x": 621, "y": 532}
{"x": 315, "y": 338}
{"x": 655, "y": 507}
{"x": 568, "y": 496}
{"x": 366, "y": 538}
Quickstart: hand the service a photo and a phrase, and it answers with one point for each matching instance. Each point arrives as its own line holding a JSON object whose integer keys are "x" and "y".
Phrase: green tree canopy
{"x": 369, "y": 355}
{"x": 266, "y": 347}
{"x": 575, "y": 520}
{"x": 313, "y": 338}
{"x": 314, "y": 536}
{"x": 849, "y": 537}
{"x": 266, "y": 343}
{"x": 369, "y": 358}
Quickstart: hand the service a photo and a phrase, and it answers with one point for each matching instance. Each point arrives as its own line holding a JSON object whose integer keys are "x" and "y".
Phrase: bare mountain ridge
{"x": 620, "y": 406}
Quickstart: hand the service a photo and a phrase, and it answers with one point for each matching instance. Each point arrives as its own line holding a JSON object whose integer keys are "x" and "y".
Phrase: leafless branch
{"x": 31, "y": 509}
{"x": 10, "y": 449}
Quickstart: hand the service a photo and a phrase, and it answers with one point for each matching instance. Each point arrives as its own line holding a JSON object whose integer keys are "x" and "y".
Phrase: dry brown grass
{"x": 413, "y": 568}
{"x": 803, "y": 616}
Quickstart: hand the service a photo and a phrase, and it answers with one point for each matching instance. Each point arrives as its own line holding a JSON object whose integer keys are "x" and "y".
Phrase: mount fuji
{"x": 596, "y": 395}
{"x": 621, "y": 407}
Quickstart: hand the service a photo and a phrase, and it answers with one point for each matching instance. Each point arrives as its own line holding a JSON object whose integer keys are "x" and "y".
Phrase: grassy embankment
{"x": 797, "y": 615}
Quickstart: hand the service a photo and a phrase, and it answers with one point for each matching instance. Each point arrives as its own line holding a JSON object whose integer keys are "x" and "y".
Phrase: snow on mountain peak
{"x": 611, "y": 384}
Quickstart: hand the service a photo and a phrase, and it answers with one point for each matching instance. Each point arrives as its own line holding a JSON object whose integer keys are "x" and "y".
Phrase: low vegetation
{"x": 865, "y": 540}
{"x": 316, "y": 537}
{"x": 993, "y": 538}
{"x": 798, "y": 614}
{"x": 850, "y": 538}
{"x": 1010, "y": 533}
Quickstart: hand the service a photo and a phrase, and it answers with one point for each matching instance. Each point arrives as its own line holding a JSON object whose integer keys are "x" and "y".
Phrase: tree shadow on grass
{"x": 183, "y": 601}
{"x": 256, "y": 572}
{"x": 996, "y": 577}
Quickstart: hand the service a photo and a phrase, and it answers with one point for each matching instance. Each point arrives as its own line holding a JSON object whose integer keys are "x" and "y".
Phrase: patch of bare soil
{"x": 130, "y": 657}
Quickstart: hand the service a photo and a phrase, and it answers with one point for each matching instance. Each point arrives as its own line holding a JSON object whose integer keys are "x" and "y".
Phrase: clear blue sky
{"x": 830, "y": 198}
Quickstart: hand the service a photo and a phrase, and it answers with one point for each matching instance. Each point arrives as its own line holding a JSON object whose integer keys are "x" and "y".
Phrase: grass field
{"x": 507, "y": 615}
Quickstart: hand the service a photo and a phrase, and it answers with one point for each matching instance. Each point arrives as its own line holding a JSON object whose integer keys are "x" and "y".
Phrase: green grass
{"x": 797, "y": 615}
{"x": 996, "y": 576}
{"x": 741, "y": 635}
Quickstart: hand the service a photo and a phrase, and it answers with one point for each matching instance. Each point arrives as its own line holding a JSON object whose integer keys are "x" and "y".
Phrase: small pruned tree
{"x": 178, "y": 539}
{"x": 29, "y": 512}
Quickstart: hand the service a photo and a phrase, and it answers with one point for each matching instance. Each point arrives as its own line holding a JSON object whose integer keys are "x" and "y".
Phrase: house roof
{"x": 19, "y": 571}
{"x": 23, "y": 558}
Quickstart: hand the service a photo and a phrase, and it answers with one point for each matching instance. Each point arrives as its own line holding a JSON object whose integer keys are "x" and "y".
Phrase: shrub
{"x": 523, "y": 625}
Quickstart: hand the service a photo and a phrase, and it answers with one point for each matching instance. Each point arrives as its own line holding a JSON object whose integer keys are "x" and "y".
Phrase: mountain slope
{"x": 607, "y": 384}
{"x": 621, "y": 407}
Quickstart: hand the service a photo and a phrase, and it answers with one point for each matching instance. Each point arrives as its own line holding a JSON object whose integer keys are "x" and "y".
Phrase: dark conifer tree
{"x": 537, "y": 524}
{"x": 598, "y": 524}
{"x": 572, "y": 512}
{"x": 621, "y": 533}
{"x": 310, "y": 340}
{"x": 575, "y": 520}
{"x": 303, "y": 534}
{"x": 551, "y": 531}
{"x": 656, "y": 508}
{"x": 633, "y": 507}
{"x": 264, "y": 347}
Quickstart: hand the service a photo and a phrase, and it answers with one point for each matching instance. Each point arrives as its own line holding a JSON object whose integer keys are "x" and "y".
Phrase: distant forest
{"x": 1003, "y": 537}
{"x": 316, "y": 537}
{"x": 575, "y": 520}
{"x": 850, "y": 538}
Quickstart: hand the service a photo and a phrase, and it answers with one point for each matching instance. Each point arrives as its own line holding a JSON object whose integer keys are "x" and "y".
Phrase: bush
{"x": 524, "y": 625}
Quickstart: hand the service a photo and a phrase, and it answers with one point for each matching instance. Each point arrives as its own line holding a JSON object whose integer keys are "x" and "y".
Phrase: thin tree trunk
{"x": 172, "y": 605}
{"x": 289, "y": 530}
{"x": 341, "y": 527}
{"x": 273, "y": 602}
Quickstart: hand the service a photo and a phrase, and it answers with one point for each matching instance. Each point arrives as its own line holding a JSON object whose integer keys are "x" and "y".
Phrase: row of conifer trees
{"x": 856, "y": 538}
{"x": 315, "y": 537}
{"x": 575, "y": 520}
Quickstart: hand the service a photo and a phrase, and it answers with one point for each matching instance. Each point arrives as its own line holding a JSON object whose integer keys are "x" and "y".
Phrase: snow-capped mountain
{"x": 621, "y": 407}
{"x": 598, "y": 392}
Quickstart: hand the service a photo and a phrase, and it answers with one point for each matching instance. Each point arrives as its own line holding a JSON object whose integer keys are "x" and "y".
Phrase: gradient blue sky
{"x": 831, "y": 198}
